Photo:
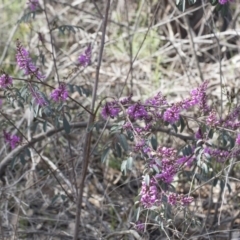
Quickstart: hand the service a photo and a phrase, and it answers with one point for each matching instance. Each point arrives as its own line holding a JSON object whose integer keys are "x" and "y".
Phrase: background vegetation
{"x": 150, "y": 46}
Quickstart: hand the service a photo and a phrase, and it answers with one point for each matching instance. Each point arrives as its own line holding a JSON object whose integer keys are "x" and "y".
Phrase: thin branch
{"x": 90, "y": 122}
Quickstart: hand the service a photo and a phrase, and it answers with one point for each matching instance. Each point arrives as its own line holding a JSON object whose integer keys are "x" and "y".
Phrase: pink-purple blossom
{"x": 149, "y": 194}
{"x": 175, "y": 199}
{"x": 111, "y": 109}
{"x": 5, "y": 80}
{"x": 37, "y": 96}
{"x": 172, "y": 114}
{"x": 218, "y": 154}
{"x": 13, "y": 140}
{"x": 199, "y": 96}
{"x": 137, "y": 111}
{"x": 157, "y": 100}
{"x": 212, "y": 119}
{"x": 222, "y": 2}
{"x": 33, "y": 4}
{"x": 25, "y": 63}
{"x": 85, "y": 58}
{"x": 60, "y": 93}
{"x": 238, "y": 139}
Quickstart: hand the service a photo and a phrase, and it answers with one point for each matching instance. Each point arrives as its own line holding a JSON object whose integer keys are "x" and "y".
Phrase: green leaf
{"x": 215, "y": 181}
{"x": 191, "y": 2}
{"x": 71, "y": 87}
{"x": 45, "y": 126}
{"x": 22, "y": 159}
{"x": 64, "y": 197}
{"x": 210, "y": 134}
{"x": 54, "y": 199}
{"x": 79, "y": 90}
{"x": 229, "y": 188}
{"x": 119, "y": 150}
{"x": 181, "y": 5}
{"x": 154, "y": 142}
{"x": 105, "y": 154}
{"x": 214, "y": 2}
{"x": 27, "y": 152}
{"x": 182, "y": 124}
{"x": 174, "y": 127}
{"x": 124, "y": 166}
{"x": 123, "y": 141}
{"x": 130, "y": 135}
{"x": 129, "y": 163}
{"x": 66, "y": 125}
{"x": 13, "y": 163}
{"x": 147, "y": 179}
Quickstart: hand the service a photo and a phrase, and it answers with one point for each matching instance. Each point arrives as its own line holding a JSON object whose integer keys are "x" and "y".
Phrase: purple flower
{"x": 199, "y": 96}
{"x": 137, "y": 111}
{"x": 37, "y": 96}
{"x": 222, "y": 2}
{"x": 60, "y": 93}
{"x": 199, "y": 134}
{"x": 139, "y": 145}
{"x": 149, "y": 194}
{"x": 13, "y": 140}
{"x": 25, "y": 63}
{"x": 111, "y": 109}
{"x": 212, "y": 119}
{"x": 231, "y": 118}
{"x": 157, "y": 100}
{"x": 185, "y": 200}
{"x": 33, "y": 4}
{"x": 186, "y": 160}
{"x": 85, "y": 58}
{"x": 172, "y": 199}
{"x": 167, "y": 174}
{"x": 166, "y": 152}
{"x": 171, "y": 115}
{"x": 5, "y": 80}
{"x": 238, "y": 139}
{"x": 140, "y": 226}
{"x": 220, "y": 155}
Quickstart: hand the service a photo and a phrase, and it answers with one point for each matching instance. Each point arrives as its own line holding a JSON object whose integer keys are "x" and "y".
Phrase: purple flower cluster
{"x": 37, "y": 96}
{"x": 85, "y": 58}
{"x": 187, "y": 160}
{"x": 60, "y": 93}
{"x": 230, "y": 120}
{"x": 137, "y": 111}
{"x": 157, "y": 101}
{"x": 33, "y": 4}
{"x": 25, "y": 63}
{"x": 5, "y": 80}
{"x": 172, "y": 114}
{"x": 169, "y": 164}
{"x": 198, "y": 97}
{"x": 238, "y": 139}
{"x": 175, "y": 199}
{"x": 140, "y": 226}
{"x": 167, "y": 174}
{"x": 111, "y": 109}
{"x": 139, "y": 146}
{"x": 212, "y": 119}
{"x": 149, "y": 194}
{"x": 199, "y": 134}
{"x": 222, "y": 2}
{"x": 13, "y": 140}
{"x": 219, "y": 155}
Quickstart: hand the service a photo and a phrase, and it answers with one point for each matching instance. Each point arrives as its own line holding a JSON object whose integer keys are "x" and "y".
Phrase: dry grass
{"x": 150, "y": 47}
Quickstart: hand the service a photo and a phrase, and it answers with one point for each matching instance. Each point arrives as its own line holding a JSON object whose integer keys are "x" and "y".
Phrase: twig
{"x": 87, "y": 144}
